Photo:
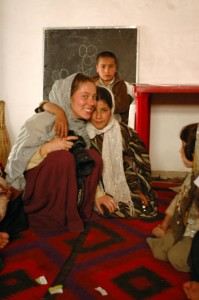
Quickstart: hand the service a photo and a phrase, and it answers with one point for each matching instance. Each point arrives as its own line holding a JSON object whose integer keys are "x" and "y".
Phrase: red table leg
{"x": 143, "y": 117}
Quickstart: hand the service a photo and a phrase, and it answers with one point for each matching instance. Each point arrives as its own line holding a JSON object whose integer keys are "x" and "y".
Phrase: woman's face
{"x": 83, "y": 101}
{"x": 101, "y": 115}
{"x": 187, "y": 163}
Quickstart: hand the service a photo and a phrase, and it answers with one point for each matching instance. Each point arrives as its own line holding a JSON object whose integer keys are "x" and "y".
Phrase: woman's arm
{"x": 61, "y": 122}
{"x": 54, "y": 145}
{"x": 57, "y": 144}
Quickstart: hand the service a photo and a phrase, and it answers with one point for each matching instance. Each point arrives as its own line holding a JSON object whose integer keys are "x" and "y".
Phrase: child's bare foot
{"x": 158, "y": 231}
{"x": 4, "y": 239}
{"x": 191, "y": 289}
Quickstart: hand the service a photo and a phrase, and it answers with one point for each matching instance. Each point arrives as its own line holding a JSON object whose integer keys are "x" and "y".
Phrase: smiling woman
{"x": 83, "y": 101}
{"x": 41, "y": 164}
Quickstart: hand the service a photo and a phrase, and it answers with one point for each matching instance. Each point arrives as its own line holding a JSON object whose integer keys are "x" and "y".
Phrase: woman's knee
{"x": 61, "y": 158}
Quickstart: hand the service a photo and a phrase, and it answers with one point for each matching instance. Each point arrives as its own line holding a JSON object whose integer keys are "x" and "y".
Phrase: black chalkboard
{"x": 67, "y": 51}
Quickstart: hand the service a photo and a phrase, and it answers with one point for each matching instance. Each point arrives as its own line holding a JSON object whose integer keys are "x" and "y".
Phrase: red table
{"x": 143, "y": 104}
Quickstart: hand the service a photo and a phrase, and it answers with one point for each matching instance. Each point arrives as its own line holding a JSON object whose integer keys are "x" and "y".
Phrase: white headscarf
{"x": 61, "y": 96}
{"x": 113, "y": 176}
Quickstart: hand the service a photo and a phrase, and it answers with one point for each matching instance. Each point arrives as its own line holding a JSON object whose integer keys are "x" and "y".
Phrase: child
{"x": 181, "y": 222}
{"x": 106, "y": 67}
{"x": 126, "y": 177}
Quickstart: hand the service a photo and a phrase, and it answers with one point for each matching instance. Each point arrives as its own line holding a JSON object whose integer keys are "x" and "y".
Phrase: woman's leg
{"x": 51, "y": 193}
{"x": 90, "y": 185}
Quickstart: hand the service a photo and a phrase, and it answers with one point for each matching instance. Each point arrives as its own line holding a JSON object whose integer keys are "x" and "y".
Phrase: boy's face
{"x": 106, "y": 68}
{"x": 187, "y": 163}
{"x": 101, "y": 115}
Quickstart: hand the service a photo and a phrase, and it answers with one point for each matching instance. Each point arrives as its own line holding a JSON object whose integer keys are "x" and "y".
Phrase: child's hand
{"x": 158, "y": 231}
{"x": 61, "y": 124}
{"x": 106, "y": 201}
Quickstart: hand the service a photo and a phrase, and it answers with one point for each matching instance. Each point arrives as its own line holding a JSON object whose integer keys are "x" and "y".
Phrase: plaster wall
{"x": 168, "y": 48}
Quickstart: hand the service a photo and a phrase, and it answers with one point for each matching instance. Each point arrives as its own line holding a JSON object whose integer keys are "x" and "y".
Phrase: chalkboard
{"x": 71, "y": 50}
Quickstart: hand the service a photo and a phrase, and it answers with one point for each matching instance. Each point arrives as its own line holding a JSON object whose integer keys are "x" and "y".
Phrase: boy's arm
{"x": 61, "y": 122}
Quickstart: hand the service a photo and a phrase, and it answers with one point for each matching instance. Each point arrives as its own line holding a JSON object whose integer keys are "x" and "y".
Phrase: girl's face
{"x": 187, "y": 163}
{"x": 101, "y": 114}
{"x": 83, "y": 101}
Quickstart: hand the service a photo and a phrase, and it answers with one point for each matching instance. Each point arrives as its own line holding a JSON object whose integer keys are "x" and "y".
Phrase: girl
{"x": 41, "y": 165}
{"x": 181, "y": 222}
{"x": 126, "y": 180}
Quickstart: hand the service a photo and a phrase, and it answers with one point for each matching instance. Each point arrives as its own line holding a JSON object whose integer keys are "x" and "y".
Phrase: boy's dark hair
{"x": 105, "y": 95}
{"x": 188, "y": 135}
{"x": 106, "y": 54}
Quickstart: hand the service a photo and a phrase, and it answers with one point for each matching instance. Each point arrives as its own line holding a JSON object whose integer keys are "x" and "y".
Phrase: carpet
{"x": 110, "y": 256}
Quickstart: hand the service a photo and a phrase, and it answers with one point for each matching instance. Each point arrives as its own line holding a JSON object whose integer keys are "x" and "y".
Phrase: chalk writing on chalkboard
{"x": 67, "y": 51}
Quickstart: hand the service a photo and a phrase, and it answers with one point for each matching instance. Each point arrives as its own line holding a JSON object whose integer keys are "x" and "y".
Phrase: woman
{"x": 41, "y": 165}
{"x": 126, "y": 180}
{"x": 181, "y": 221}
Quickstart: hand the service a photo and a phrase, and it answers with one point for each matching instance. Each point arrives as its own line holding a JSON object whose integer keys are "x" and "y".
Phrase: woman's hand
{"x": 58, "y": 144}
{"x": 106, "y": 201}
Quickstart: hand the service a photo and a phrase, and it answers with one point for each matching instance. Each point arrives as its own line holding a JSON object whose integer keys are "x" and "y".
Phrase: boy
{"x": 106, "y": 67}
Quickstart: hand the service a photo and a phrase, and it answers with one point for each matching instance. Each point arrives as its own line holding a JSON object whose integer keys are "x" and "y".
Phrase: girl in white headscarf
{"x": 126, "y": 180}
{"x": 41, "y": 166}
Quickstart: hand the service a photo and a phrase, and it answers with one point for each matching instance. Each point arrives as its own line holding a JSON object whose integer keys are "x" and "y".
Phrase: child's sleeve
{"x": 40, "y": 107}
{"x": 171, "y": 208}
{"x": 130, "y": 91}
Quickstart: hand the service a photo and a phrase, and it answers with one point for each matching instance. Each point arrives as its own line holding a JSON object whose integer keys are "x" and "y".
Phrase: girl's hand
{"x": 61, "y": 124}
{"x": 106, "y": 201}
{"x": 58, "y": 144}
{"x": 143, "y": 198}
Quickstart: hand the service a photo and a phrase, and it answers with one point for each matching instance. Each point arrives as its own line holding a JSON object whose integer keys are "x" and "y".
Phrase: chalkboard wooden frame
{"x": 71, "y": 50}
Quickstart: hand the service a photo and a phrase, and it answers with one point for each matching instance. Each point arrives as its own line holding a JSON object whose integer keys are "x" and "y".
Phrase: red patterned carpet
{"x": 110, "y": 253}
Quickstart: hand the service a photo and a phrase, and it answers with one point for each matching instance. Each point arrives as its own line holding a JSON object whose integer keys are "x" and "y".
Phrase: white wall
{"x": 168, "y": 54}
